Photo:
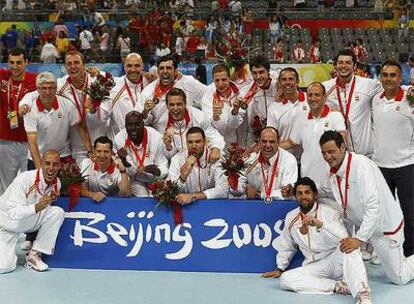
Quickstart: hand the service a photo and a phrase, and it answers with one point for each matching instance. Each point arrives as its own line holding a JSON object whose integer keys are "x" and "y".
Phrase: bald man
{"x": 26, "y": 207}
{"x": 125, "y": 94}
{"x": 271, "y": 173}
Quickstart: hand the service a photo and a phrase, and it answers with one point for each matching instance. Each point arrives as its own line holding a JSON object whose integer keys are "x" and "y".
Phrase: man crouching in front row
{"x": 26, "y": 207}
{"x": 317, "y": 230}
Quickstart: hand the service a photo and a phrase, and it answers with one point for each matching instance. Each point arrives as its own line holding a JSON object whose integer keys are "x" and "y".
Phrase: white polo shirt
{"x": 283, "y": 114}
{"x": 193, "y": 89}
{"x": 52, "y": 127}
{"x": 393, "y": 131}
{"x": 306, "y": 132}
{"x": 122, "y": 100}
{"x": 360, "y": 132}
{"x": 106, "y": 182}
{"x": 232, "y": 127}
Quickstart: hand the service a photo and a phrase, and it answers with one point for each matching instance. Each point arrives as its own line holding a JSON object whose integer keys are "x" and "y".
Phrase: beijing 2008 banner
{"x": 216, "y": 236}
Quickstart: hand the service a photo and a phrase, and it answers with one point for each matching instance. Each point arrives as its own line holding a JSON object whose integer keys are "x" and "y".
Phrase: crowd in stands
{"x": 168, "y": 27}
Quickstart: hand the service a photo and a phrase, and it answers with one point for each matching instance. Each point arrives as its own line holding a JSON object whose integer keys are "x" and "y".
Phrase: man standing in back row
{"x": 14, "y": 84}
{"x": 393, "y": 117}
{"x": 352, "y": 95}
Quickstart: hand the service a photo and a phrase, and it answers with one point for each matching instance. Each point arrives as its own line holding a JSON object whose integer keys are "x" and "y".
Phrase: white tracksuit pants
{"x": 47, "y": 223}
{"x": 16, "y": 155}
{"x": 399, "y": 269}
{"x": 320, "y": 277}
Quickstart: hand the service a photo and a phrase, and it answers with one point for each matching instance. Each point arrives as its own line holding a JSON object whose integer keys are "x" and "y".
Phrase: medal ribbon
{"x": 251, "y": 92}
{"x": 170, "y": 124}
{"x": 13, "y": 99}
{"x": 132, "y": 97}
{"x": 268, "y": 187}
{"x": 344, "y": 199}
{"x": 200, "y": 167}
{"x": 79, "y": 106}
{"x": 348, "y": 103}
{"x": 140, "y": 159}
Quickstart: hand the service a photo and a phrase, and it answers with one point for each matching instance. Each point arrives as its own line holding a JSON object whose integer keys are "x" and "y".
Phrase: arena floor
{"x": 60, "y": 286}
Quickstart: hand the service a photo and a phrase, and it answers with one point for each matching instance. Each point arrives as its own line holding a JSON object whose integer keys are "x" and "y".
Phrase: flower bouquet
{"x": 71, "y": 179}
{"x": 234, "y": 52}
{"x": 233, "y": 164}
{"x": 165, "y": 193}
{"x": 100, "y": 89}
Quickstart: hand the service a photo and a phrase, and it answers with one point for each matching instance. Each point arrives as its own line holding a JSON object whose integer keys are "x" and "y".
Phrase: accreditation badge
{"x": 13, "y": 119}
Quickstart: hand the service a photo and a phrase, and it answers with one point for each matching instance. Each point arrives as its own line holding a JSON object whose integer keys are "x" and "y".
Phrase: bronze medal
{"x": 304, "y": 229}
{"x": 268, "y": 200}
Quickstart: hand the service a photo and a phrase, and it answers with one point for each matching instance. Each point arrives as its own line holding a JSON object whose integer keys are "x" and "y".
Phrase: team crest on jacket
{"x": 59, "y": 115}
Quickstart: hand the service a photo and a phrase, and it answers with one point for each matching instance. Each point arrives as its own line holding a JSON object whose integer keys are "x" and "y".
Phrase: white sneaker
{"x": 364, "y": 297}
{"x": 342, "y": 288}
{"x": 375, "y": 260}
{"x": 34, "y": 261}
{"x": 26, "y": 245}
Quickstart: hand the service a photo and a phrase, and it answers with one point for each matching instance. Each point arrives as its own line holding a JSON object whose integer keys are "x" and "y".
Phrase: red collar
{"x": 301, "y": 97}
{"x": 41, "y": 108}
{"x": 324, "y": 113}
{"x": 333, "y": 171}
{"x": 397, "y": 97}
{"x": 110, "y": 169}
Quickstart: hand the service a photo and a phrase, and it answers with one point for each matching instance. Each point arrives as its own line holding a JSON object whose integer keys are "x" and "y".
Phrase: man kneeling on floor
{"x": 25, "y": 207}
{"x": 317, "y": 230}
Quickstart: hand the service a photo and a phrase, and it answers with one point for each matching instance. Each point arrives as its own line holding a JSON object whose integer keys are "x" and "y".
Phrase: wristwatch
{"x": 194, "y": 197}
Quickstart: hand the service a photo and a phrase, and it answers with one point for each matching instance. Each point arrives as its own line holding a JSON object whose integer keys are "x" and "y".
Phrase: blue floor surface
{"x": 60, "y": 286}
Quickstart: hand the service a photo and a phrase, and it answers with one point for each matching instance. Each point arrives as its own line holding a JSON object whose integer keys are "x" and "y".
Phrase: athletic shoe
{"x": 364, "y": 297}
{"x": 342, "y": 288}
{"x": 366, "y": 251}
{"x": 26, "y": 245}
{"x": 34, "y": 261}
